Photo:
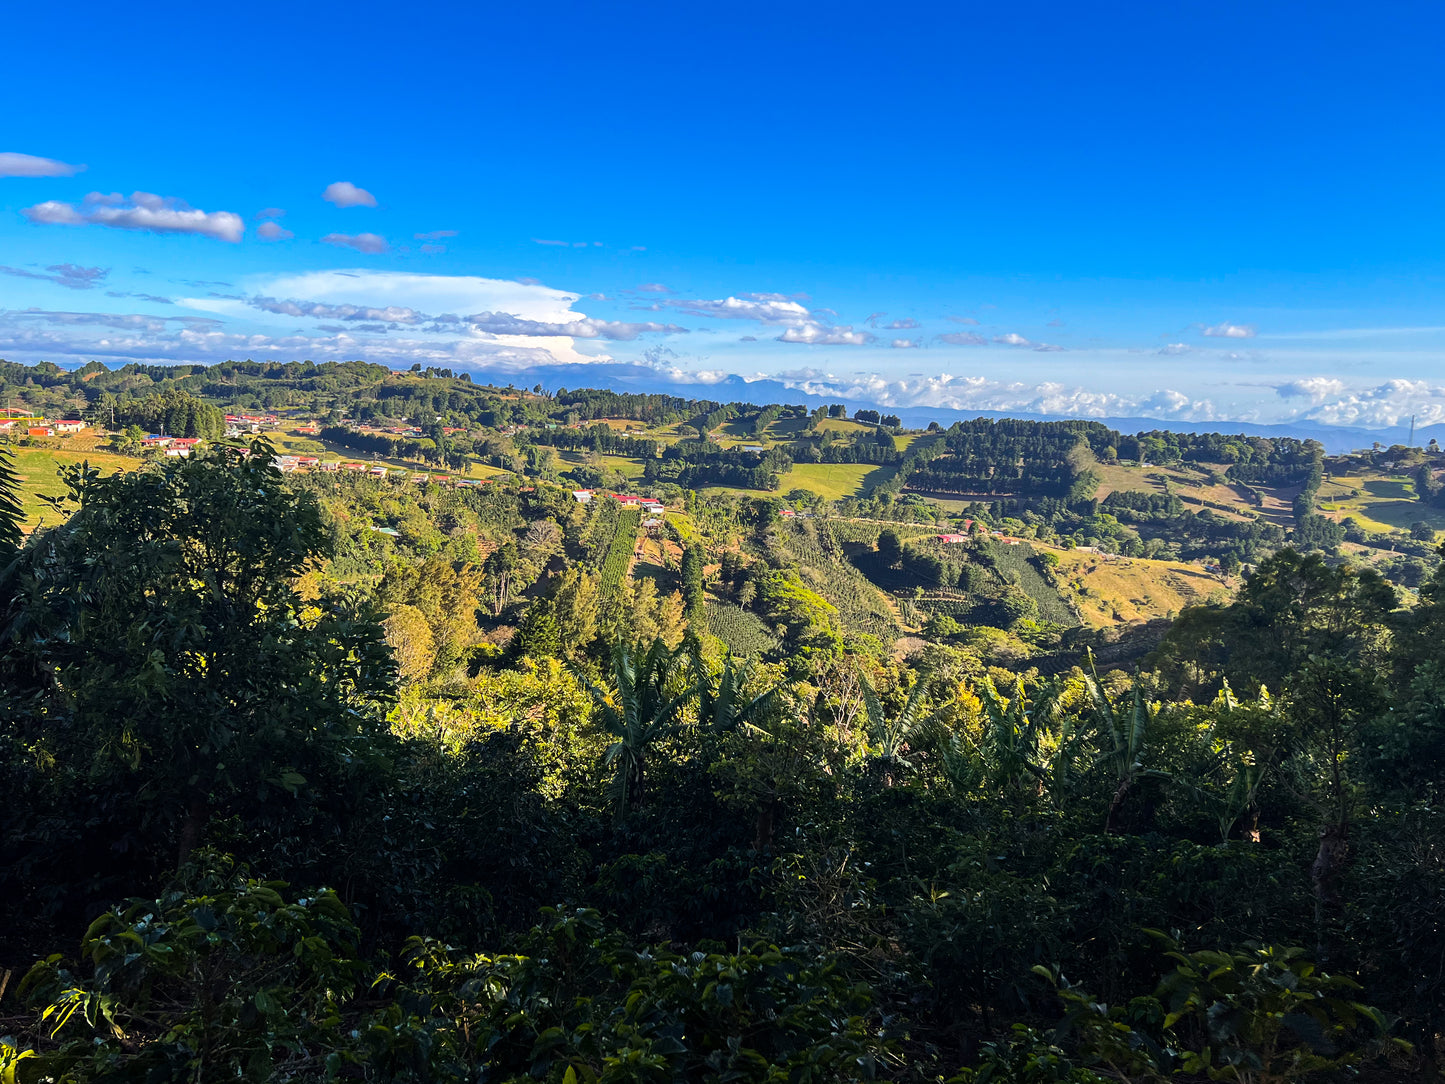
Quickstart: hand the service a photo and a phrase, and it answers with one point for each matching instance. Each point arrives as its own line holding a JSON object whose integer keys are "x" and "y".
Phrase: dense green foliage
{"x": 331, "y": 776}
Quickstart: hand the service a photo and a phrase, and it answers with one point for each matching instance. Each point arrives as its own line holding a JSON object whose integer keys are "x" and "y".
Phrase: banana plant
{"x": 642, "y": 709}
{"x": 1244, "y": 770}
{"x": 723, "y": 702}
{"x": 1012, "y": 744}
{"x": 1126, "y": 735}
{"x": 891, "y": 736}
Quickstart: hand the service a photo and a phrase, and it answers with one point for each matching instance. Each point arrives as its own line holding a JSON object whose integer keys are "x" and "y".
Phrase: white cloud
{"x": 346, "y": 194}
{"x": 373, "y": 244}
{"x": 764, "y": 308}
{"x": 1389, "y": 404}
{"x": 904, "y": 344}
{"x": 1229, "y": 331}
{"x": 905, "y": 324}
{"x": 142, "y": 211}
{"x": 1317, "y": 388}
{"x": 1174, "y": 349}
{"x": 815, "y": 334}
{"x": 13, "y": 164}
{"x": 273, "y": 231}
{"x": 981, "y": 393}
{"x": 1012, "y": 338}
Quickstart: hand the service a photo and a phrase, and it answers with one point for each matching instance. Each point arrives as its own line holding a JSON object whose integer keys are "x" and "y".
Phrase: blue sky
{"x": 1194, "y": 211}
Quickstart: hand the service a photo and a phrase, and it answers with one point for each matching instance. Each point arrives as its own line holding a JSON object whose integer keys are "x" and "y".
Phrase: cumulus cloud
{"x": 1389, "y": 404}
{"x": 346, "y": 194}
{"x": 373, "y": 244}
{"x": 800, "y": 324}
{"x": 1229, "y": 331}
{"x": 764, "y": 308}
{"x": 1316, "y": 388}
{"x": 962, "y": 338}
{"x": 1010, "y": 397}
{"x": 903, "y": 344}
{"x": 72, "y": 276}
{"x": 815, "y": 334}
{"x": 273, "y": 231}
{"x": 434, "y": 235}
{"x": 13, "y": 164}
{"x": 141, "y": 211}
{"x": 1012, "y": 338}
{"x": 1174, "y": 349}
{"x": 905, "y": 324}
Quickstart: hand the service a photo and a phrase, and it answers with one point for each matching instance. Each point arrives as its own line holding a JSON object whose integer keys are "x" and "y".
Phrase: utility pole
{"x": 1412, "y": 432}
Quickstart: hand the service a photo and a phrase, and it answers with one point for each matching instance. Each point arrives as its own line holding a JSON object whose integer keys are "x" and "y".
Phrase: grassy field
{"x": 834, "y": 480}
{"x": 628, "y": 468}
{"x": 786, "y": 429}
{"x": 37, "y": 466}
{"x": 1129, "y": 589}
{"x": 845, "y": 425}
{"x": 1380, "y": 503}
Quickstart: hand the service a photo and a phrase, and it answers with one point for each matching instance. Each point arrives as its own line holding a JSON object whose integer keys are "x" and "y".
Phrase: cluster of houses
{"x": 627, "y": 500}
{"x": 402, "y": 430}
{"x": 18, "y": 421}
{"x": 291, "y": 464}
{"x": 175, "y": 447}
{"x": 651, "y": 507}
{"x": 240, "y": 424}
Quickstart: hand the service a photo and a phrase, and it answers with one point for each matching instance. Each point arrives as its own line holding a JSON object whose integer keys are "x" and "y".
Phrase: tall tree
{"x": 155, "y": 653}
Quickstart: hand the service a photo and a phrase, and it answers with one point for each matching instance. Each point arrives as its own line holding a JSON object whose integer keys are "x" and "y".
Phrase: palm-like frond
{"x": 723, "y": 704}
{"x": 639, "y": 711}
{"x": 892, "y": 735}
{"x": 1128, "y": 736}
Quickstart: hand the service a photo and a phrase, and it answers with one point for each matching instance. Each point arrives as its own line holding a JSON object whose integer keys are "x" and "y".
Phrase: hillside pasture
{"x": 835, "y": 481}
{"x": 1126, "y": 590}
{"x": 1379, "y": 503}
{"x": 37, "y": 470}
